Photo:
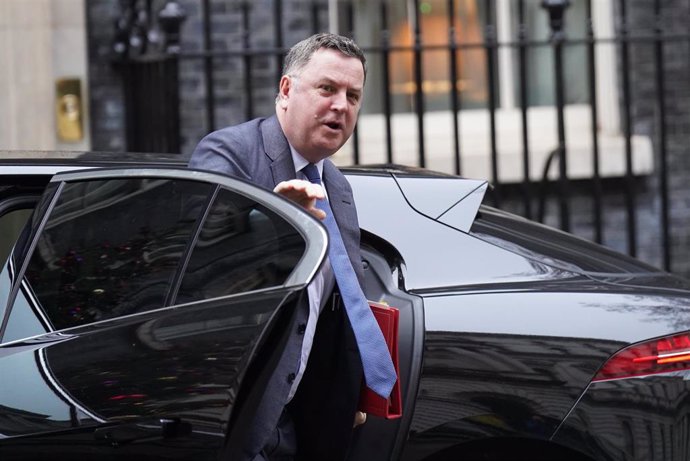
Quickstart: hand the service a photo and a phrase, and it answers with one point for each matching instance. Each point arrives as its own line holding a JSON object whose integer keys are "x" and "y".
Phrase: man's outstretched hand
{"x": 304, "y": 193}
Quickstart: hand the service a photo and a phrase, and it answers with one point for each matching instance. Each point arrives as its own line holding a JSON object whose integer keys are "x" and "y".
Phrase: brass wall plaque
{"x": 68, "y": 109}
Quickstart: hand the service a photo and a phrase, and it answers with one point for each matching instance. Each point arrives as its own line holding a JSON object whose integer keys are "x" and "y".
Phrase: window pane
{"x": 540, "y": 63}
{"x": 111, "y": 247}
{"x": 25, "y": 319}
{"x": 471, "y": 70}
{"x": 11, "y": 225}
{"x": 242, "y": 246}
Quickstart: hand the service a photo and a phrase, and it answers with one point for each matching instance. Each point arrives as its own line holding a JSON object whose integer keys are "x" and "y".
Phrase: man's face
{"x": 318, "y": 105}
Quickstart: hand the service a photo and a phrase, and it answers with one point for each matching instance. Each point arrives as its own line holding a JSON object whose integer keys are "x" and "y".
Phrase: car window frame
{"x": 312, "y": 231}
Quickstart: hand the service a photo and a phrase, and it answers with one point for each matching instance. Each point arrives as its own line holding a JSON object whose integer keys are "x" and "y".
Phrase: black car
{"x": 142, "y": 307}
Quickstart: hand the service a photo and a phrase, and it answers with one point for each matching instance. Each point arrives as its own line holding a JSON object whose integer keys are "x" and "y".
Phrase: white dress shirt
{"x": 318, "y": 290}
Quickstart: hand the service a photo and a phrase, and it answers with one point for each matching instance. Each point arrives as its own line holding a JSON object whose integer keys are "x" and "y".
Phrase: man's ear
{"x": 284, "y": 88}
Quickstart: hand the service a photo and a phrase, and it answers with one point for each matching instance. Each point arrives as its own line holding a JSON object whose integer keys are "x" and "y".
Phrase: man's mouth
{"x": 334, "y": 125}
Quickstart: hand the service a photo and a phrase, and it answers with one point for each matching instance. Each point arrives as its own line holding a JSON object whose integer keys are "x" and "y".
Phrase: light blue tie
{"x": 377, "y": 365}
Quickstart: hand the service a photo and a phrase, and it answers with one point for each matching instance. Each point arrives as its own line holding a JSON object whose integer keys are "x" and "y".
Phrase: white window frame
{"x": 475, "y": 143}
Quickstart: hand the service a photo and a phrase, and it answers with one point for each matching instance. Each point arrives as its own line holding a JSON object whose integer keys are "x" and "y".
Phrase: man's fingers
{"x": 316, "y": 191}
{"x": 317, "y": 213}
{"x": 300, "y": 188}
{"x": 304, "y": 194}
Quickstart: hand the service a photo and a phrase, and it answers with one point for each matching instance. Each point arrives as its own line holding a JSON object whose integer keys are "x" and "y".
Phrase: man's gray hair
{"x": 300, "y": 54}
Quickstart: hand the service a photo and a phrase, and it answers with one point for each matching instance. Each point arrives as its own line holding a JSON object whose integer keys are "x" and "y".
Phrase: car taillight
{"x": 671, "y": 353}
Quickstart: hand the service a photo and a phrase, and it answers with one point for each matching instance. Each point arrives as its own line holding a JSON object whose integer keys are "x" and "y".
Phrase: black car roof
{"x": 397, "y": 170}
{"x": 37, "y": 157}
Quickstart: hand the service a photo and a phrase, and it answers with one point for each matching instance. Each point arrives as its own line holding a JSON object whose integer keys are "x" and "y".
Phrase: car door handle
{"x": 162, "y": 428}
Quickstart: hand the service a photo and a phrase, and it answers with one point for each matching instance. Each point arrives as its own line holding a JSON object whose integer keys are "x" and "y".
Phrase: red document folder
{"x": 370, "y": 402}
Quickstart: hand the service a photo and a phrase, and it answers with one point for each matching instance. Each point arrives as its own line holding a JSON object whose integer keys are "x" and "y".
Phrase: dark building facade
{"x": 462, "y": 86}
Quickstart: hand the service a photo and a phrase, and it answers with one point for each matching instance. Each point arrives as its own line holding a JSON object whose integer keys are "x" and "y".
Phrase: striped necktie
{"x": 379, "y": 372}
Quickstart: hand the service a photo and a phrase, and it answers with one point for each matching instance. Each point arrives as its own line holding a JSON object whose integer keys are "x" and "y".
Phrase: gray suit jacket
{"x": 258, "y": 151}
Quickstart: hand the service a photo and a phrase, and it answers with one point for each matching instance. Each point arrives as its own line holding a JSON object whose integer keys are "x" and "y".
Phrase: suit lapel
{"x": 338, "y": 197}
{"x": 283, "y": 169}
{"x": 278, "y": 151}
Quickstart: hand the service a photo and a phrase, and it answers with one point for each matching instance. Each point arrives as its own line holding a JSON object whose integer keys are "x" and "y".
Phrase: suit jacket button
{"x": 301, "y": 328}
{"x": 291, "y": 378}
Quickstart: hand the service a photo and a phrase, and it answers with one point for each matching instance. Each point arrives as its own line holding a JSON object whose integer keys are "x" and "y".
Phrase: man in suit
{"x": 307, "y": 411}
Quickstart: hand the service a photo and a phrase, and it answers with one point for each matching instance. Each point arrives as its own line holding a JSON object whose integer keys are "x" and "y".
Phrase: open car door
{"x": 141, "y": 312}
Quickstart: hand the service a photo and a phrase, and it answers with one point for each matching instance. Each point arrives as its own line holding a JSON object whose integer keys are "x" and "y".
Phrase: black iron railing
{"x": 141, "y": 79}
{"x": 145, "y": 50}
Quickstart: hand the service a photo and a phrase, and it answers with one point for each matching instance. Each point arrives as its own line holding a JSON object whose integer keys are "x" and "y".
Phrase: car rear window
{"x": 551, "y": 246}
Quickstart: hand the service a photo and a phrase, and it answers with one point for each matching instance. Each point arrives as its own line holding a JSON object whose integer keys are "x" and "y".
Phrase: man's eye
{"x": 327, "y": 88}
{"x": 353, "y": 97}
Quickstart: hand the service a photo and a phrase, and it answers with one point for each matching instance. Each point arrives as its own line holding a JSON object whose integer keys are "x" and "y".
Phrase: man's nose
{"x": 339, "y": 101}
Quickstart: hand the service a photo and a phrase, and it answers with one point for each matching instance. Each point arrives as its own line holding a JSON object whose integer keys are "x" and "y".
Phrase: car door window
{"x": 27, "y": 318}
{"x": 111, "y": 248}
{"x": 11, "y": 225}
{"x": 242, "y": 247}
{"x": 116, "y": 247}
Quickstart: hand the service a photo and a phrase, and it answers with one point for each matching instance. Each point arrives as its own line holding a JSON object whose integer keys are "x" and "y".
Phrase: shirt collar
{"x": 300, "y": 162}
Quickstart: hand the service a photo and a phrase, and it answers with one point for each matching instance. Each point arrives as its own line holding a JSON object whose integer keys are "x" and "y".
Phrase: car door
{"x": 143, "y": 311}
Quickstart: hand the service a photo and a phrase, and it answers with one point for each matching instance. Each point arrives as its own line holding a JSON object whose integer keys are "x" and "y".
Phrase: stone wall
{"x": 41, "y": 43}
